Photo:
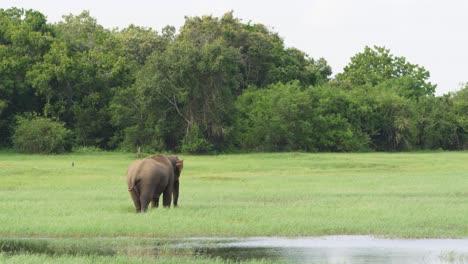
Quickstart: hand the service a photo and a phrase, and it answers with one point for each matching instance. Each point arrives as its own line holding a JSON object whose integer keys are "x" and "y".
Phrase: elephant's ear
{"x": 180, "y": 164}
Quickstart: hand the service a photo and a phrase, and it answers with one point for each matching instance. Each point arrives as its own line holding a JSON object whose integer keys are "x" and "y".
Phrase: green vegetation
{"x": 103, "y": 250}
{"x": 37, "y": 258}
{"x": 53, "y": 212}
{"x": 41, "y": 135}
{"x": 218, "y": 85}
{"x": 290, "y": 194}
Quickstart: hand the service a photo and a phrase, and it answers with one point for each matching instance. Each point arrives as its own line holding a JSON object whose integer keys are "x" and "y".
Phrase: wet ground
{"x": 338, "y": 249}
{"x": 327, "y": 249}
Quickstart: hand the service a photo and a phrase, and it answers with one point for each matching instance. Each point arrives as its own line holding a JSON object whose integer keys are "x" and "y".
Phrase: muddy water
{"x": 335, "y": 249}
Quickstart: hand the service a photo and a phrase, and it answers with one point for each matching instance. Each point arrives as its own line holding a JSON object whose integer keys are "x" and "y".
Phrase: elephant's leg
{"x": 145, "y": 198}
{"x": 176, "y": 193}
{"x": 167, "y": 196}
{"x": 155, "y": 201}
{"x": 136, "y": 199}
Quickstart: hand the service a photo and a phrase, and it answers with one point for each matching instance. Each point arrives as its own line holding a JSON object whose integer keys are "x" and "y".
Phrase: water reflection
{"x": 240, "y": 254}
{"x": 328, "y": 249}
{"x": 334, "y": 249}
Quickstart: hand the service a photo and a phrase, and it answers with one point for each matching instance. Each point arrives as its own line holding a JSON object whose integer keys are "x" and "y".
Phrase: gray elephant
{"x": 152, "y": 176}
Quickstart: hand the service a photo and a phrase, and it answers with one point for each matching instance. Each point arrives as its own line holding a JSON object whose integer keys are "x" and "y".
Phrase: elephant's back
{"x": 163, "y": 159}
{"x": 153, "y": 169}
{"x": 149, "y": 172}
{"x": 132, "y": 168}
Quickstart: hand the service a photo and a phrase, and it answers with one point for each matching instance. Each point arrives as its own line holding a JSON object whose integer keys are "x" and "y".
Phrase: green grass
{"x": 44, "y": 259}
{"x": 408, "y": 195}
{"x": 286, "y": 194}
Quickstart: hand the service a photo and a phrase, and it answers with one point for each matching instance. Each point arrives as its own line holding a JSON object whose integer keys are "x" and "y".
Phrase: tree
{"x": 184, "y": 95}
{"x": 380, "y": 118}
{"x": 77, "y": 77}
{"x": 438, "y": 125}
{"x": 24, "y": 39}
{"x": 140, "y": 42}
{"x": 183, "y": 88}
{"x": 376, "y": 66}
{"x": 460, "y": 107}
{"x": 264, "y": 58}
{"x": 287, "y": 117}
{"x": 273, "y": 119}
{"x": 396, "y": 127}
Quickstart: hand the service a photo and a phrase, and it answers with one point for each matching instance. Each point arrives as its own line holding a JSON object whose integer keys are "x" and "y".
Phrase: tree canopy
{"x": 377, "y": 67}
{"x": 215, "y": 85}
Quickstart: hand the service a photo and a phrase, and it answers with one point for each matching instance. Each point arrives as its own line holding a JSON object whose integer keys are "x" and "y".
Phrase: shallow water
{"x": 334, "y": 249}
{"x": 326, "y": 249}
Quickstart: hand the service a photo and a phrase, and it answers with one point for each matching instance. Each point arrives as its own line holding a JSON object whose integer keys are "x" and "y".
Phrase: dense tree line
{"x": 217, "y": 85}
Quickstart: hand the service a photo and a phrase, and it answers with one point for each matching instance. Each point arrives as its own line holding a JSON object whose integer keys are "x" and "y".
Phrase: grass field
{"x": 417, "y": 195}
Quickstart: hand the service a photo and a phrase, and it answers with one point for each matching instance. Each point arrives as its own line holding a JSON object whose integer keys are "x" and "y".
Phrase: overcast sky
{"x": 430, "y": 33}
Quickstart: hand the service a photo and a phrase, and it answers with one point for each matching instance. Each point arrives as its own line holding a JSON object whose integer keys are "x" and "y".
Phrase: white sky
{"x": 430, "y": 33}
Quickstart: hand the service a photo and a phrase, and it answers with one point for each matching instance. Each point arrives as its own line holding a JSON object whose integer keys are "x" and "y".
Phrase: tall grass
{"x": 283, "y": 194}
{"x": 45, "y": 259}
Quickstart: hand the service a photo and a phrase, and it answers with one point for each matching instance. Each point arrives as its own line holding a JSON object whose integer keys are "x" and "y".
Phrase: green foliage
{"x": 273, "y": 119}
{"x": 85, "y": 149}
{"x": 289, "y": 117}
{"x": 24, "y": 39}
{"x": 41, "y": 135}
{"x": 3, "y": 105}
{"x": 438, "y": 124}
{"x": 184, "y": 86}
{"x": 195, "y": 142}
{"x": 460, "y": 108}
{"x": 218, "y": 85}
{"x": 264, "y": 58}
{"x": 140, "y": 42}
{"x": 376, "y": 66}
{"x": 77, "y": 76}
{"x": 146, "y": 137}
{"x": 396, "y": 127}
{"x": 460, "y": 104}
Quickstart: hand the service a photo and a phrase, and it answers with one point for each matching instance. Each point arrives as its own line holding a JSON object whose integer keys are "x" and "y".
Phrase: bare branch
{"x": 174, "y": 103}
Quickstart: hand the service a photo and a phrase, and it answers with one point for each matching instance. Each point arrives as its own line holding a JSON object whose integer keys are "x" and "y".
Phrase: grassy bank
{"x": 44, "y": 259}
{"x": 283, "y": 194}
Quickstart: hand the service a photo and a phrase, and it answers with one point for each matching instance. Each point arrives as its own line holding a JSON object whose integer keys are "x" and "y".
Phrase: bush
{"x": 194, "y": 142}
{"x": 289, "y": 117}
{"x": 86, "y": 149}
{"x": 41, "y": 135}
{"x": 147, "y": 138}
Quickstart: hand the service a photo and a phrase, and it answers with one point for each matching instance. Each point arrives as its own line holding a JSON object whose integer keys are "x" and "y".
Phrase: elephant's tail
{"x": 131, "y": 184}
{"x": 133, "y": 190}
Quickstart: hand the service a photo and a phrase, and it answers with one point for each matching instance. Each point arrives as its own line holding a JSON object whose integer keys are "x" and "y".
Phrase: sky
{"x": 430, "y": 33}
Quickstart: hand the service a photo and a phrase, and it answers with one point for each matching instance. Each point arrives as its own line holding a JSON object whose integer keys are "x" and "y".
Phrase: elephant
{"x": 152, "y": 176}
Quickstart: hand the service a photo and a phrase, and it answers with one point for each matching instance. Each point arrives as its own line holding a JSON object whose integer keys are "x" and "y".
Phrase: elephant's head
{"x": 178, "y": 165}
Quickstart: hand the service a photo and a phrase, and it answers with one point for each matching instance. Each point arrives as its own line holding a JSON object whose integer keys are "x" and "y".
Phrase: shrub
{"x": 140, "y": 136}
{"x": 41, "y": 135}
{"x": 289, "y": 117}
{"x": 194, "y": 142}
